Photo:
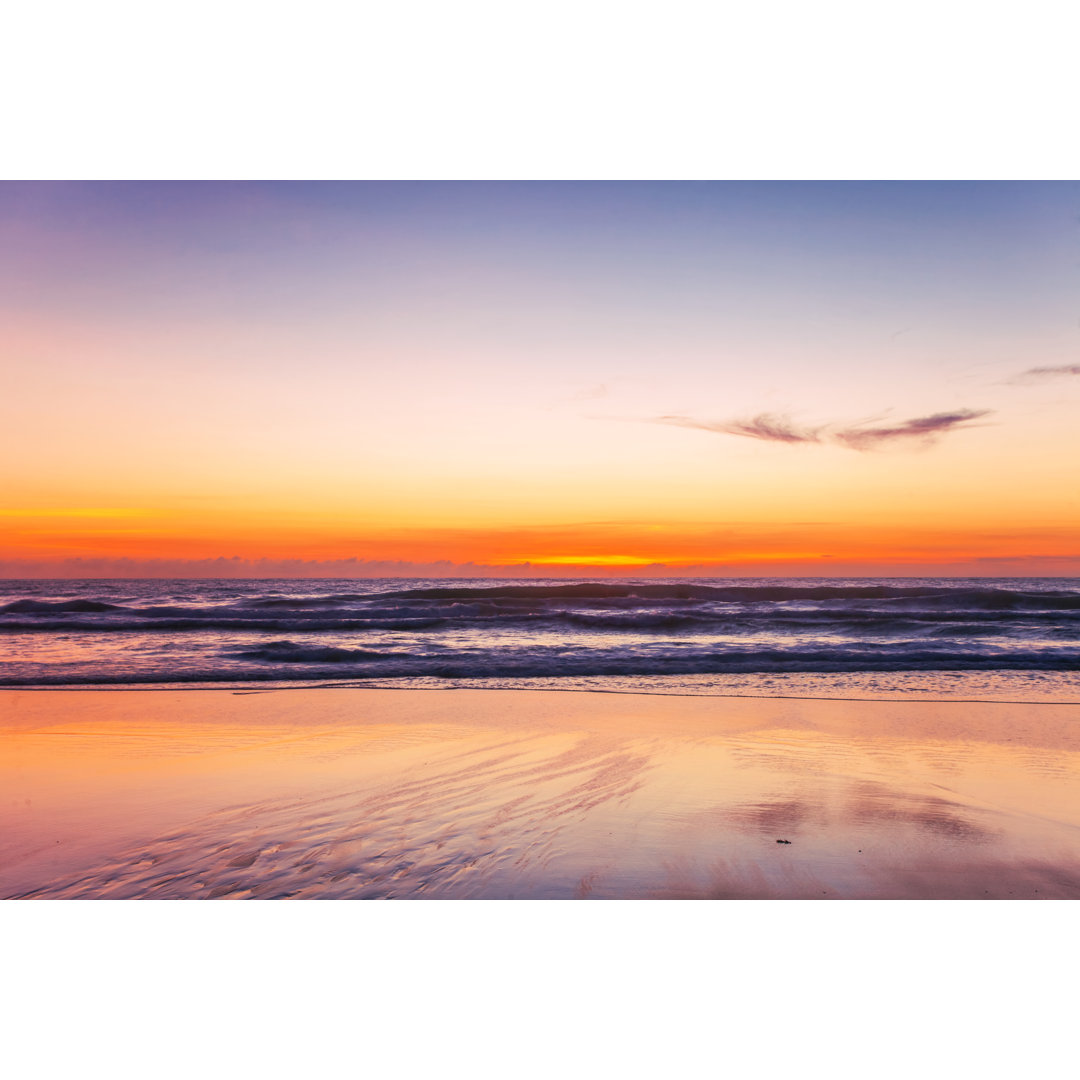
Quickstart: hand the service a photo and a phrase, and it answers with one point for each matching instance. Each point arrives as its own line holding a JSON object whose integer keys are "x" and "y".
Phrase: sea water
{"x": 1003, "y": 639}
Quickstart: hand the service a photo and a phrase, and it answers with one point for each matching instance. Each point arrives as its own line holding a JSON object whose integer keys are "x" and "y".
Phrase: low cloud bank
{"x": 840, "y": 565}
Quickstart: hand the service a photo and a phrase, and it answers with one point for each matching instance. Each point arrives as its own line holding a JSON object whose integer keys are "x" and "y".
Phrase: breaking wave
{"x": 289, "y": 652}
{"x": 55, "y": 633}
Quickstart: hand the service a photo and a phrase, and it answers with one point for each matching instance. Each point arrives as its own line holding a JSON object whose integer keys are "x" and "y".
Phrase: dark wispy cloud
{"x": 763, "y": 426}
{"x": 919, "y": 431}
{"x": 923, "y": 429}
{"x": 1036, "y": 374}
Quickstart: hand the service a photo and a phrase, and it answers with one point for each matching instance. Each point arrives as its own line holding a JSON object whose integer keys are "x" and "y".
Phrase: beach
{"x": 517, "y": 794}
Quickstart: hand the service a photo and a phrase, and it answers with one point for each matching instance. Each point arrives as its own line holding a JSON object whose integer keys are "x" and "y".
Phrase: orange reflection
{"x": 349, "y": 793}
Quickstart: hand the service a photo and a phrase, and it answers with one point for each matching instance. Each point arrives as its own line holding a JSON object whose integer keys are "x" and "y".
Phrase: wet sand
{"x": 364, "y": 793}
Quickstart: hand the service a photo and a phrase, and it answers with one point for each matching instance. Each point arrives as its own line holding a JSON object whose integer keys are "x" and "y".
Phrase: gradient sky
{"x": 376, "y": 378}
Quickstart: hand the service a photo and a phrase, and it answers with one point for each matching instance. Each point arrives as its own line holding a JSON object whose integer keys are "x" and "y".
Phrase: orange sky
{"x": 730, "y": 379}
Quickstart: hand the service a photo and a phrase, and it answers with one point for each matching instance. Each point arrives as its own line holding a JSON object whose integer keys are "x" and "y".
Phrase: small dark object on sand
{"x": 783, "y": 841}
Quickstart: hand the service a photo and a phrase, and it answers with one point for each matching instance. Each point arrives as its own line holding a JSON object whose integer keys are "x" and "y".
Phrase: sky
{"x": 539, "y": 379}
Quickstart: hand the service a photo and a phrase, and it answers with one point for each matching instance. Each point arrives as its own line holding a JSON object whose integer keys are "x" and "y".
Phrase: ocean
{"x": 979, "y": 639}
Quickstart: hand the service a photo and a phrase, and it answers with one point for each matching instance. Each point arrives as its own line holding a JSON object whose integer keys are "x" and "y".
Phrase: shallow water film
{"x": 372, "y": 794}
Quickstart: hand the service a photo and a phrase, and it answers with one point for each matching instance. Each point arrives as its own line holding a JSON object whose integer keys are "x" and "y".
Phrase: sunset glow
{"x": 383, "y": 379}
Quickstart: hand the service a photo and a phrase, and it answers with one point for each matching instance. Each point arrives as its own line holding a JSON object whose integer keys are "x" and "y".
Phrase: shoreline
{"x": 541, "y": 794}
{"x": 255, "y": 688}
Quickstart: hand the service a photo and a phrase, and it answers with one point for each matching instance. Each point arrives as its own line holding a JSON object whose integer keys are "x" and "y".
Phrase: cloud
{"x": 763, "y": 426}
{"x": 1074, "y": 558}
{"x": 1038, "y": 373}
{"x": 235, "y": 567}
{"x": 590, "y": 392}
{"x": 921, "y": 430}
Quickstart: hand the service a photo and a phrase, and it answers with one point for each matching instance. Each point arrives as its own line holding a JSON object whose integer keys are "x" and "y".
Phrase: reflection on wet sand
{"x": 501, "y": 794}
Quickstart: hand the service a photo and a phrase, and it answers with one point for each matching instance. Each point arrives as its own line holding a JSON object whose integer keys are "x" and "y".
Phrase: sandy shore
{"x": 343, "y": 793}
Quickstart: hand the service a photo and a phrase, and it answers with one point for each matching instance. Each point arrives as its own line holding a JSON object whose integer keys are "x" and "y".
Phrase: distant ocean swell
{"x": 125, "y": 632}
